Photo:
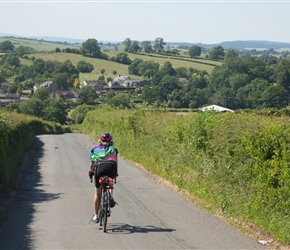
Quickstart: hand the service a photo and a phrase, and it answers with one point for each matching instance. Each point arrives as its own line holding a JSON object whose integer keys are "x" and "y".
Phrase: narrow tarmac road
{"x": 53, "y": 207}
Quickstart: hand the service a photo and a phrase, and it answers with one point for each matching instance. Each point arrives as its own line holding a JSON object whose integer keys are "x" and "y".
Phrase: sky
{"x": 207, "y": 22}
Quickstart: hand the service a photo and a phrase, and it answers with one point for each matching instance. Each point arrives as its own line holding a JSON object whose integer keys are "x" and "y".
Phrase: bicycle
{"x": 105, "y": 209}
{"x": 106, "y": 183}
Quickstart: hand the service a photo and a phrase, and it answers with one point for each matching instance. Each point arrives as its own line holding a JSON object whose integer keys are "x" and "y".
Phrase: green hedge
{"x": 17, "y": 133}
{"x": 237, "y": 162}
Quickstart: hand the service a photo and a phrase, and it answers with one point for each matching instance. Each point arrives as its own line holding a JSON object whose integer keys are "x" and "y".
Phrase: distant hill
{"x": 46, "y": 38}
{"x": 238, "y": 44}
{"x": 247, "y": 44}
{"x": 255, "y": 44}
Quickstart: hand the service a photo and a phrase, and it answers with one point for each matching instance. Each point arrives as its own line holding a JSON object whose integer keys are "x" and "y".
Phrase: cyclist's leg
{"x": 97, "y": 200}
{"x": 98, "y": 194}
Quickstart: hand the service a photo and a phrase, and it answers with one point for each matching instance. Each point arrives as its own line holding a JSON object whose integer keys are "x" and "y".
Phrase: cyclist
{"x": 104, "y": 161}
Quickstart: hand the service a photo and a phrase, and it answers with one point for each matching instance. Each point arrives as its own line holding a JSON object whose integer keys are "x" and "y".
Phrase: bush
{"x": 79, "y": 113}
{"x": 17, "y": 133}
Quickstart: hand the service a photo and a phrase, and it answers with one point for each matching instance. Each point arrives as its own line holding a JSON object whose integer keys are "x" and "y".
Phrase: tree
{"x": 216, "y": 53}
{"x": 12, "y": 107}
{"x": 167, "y": 69}
{"x": 91, "y": 48}
{"x": 21, "y": 51}
{"x": 25, "y": 73}
{"x": 194, "y": 51}
{"x": 181, "y": 72}
{"x": 31, "y": 107}
{"x": 41, "y": 94}
{"x": 76, "y": 83}
{"x": 6, "y": 47}
{"x": 84, "y": 67}
{"x": 249, "y": 96}
{"x": 127, "y": 43}
{"x": 148, "y": 68}
{"x": 67, "y": 67}
{"x": 148, "y": 94}
{"x": 223, "y": 97}
{"x": 159, "y": 45}
{"x": 79, "y": 113}
{"x": 275, "y": 97}
{"x": 55, "y": 111}
{"x": 2, "y": 77}
{"x": 101, "y": 77}
{"x": 238, "y": 80}
{"x": 110, "y": 94}
{"x": 230, "y": 53}
{"x": 87, "y": 95}
{"x": 103, "y": 71}
{"x": 123, "y": 58}
{"x": 285, "y": 54}
{"x": 38, "y": 66}
{"x": 12, "y": 60}
{"x": 133, "y": 67}
{"x": 61, "y": 80}
{"x": 269, "y": 59}
{"x": 282, "y": 73}
{"x": 168, "y": 84}
{"x": 50, "y": 67}
{"x": 12, "y": 88}
{"x": 147, "y": 46}
{"x": 134, "y": 48}
{"x": 120, "y": 100}
{"x": 175, "y": 104}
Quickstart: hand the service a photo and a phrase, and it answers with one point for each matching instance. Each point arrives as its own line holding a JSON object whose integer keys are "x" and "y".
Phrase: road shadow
{"x": 16, "y": 218}
{"x": 130, "y": 229}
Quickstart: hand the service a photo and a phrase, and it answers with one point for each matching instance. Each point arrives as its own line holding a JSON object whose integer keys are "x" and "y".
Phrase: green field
{"x": 98, "y": 64}
{"x": 37, "y": 45}
{"x": 46, "y": 51}
{"x": 193, "y": 63}
{"x": 110, "y": 66}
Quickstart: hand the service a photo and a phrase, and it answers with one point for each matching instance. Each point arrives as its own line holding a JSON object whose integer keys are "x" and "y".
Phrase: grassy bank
{"x": 237, "y": 163}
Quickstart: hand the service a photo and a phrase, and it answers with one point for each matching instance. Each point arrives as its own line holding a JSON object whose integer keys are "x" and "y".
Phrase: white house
{"x": 216, "y": 108}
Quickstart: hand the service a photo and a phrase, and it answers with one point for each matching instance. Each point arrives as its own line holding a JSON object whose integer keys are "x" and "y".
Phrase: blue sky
{"x": 175, "y": 21}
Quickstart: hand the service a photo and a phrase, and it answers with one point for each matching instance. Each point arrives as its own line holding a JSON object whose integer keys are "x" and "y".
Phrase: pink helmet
{"x": 105, "y": 137}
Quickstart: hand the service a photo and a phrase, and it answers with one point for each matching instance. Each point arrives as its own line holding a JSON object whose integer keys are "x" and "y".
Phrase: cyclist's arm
{"x": 117, "y": 163}
{"x": 92, "y": 165}
{"x": 93, "y": 159}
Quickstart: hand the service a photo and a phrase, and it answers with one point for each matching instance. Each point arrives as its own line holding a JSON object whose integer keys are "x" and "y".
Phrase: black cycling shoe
{"x": 112, "y": 201}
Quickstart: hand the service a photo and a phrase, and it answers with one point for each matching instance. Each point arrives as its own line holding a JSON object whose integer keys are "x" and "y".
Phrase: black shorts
{"x": 104, "y": 167}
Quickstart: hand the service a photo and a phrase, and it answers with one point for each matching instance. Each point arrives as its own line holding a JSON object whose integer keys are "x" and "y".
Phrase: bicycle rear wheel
{"x": 102, "y": 208}
{"x": 101, "y": 215}
{"x": 106, "y": 207}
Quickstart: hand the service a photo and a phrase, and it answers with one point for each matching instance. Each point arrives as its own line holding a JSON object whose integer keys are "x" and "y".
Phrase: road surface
{"x": 54, "y": 205}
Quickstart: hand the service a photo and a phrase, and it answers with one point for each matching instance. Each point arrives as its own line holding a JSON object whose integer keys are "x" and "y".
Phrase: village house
{"x": 127, "y": 82}
{"x": 48, "y": 85}
{"x": 96, "y": 84}
{"x": 5, "y": 99}
{"x": 64, "y": 95}
{"x": 100, "y": 86}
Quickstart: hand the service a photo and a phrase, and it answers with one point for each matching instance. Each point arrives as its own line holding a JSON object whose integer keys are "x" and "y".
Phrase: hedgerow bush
{"x": 237, "y": 162}
{"x": 17, "y": 133}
